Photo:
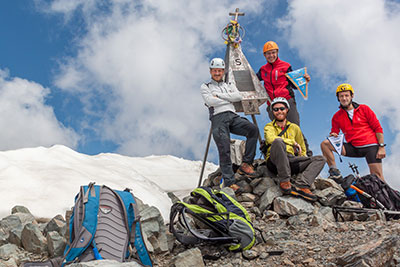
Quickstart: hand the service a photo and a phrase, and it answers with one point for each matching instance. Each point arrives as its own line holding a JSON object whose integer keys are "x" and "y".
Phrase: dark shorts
{"x": 369, "y": 152}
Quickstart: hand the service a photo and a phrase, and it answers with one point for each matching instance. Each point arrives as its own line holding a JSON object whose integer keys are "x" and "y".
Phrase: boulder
{"x": 263, "y": 185}
{"x": 10, "y": 222}
{"x": 15, "y": 236}
{"x": 272, "y": 191}
{"x": 289, "y": 206}
{"x": 19, "y": 209}
{"x": 33, "y": 240}
{"x": 56, "y": 244}
{"x": 373, "y": 253}
{"x": 323, "y": 183}
{"x": 330, "y": 196}
{"x": 4, "y": 235}
{"x": 8, "y": 250}
{"x": 247, "y": 197}
{"x": 188, "y": 258}
{"x": 153, "y": 226}
{"x": 56, "y": 224}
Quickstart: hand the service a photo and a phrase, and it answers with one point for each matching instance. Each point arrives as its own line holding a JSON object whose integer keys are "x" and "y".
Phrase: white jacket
{"x": 220, "y": 96}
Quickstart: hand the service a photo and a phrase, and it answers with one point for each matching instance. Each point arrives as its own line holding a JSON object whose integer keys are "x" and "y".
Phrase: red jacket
{"x": 362, "y": 130}
{"x": 275, "y": 82}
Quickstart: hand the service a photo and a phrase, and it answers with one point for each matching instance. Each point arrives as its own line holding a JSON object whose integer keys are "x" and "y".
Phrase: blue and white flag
{"x": 298, "y": 80}
{"x": 337, "y": 143}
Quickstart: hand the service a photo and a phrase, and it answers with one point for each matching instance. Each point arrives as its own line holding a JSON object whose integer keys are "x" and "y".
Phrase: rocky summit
{"x": 290, "y": 232}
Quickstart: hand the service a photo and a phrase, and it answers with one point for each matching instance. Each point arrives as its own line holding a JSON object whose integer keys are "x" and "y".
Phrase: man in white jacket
{"x": 219, "y": 97}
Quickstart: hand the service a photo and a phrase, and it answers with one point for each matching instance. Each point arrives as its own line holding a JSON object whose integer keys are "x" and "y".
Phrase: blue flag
{"x": 298, "y": 80}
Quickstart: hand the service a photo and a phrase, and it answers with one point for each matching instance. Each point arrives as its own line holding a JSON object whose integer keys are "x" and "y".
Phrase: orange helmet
{"x": 270, "y": 45}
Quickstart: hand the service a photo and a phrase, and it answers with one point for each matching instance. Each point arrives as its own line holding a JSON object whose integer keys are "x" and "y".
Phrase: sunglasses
{"x": 277, "y": 109}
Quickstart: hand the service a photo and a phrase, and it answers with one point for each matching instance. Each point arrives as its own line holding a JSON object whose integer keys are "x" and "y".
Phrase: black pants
{"x": 222, "y": 125}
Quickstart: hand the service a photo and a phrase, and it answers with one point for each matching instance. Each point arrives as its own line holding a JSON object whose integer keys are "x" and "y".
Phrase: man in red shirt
{"x": 362, "y": 131}
{"x": 277, "y": 85}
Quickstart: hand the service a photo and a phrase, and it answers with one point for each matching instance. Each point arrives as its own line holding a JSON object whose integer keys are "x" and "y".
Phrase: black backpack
{"x": 379, "y": 190}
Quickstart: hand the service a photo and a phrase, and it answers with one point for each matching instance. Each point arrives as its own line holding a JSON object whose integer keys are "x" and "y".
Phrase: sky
{"x": 57, "y": 172}
{"x": 123, "y": 76}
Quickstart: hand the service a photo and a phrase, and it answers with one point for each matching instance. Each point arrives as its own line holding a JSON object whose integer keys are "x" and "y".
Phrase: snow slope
{"x": 46, "y": 180}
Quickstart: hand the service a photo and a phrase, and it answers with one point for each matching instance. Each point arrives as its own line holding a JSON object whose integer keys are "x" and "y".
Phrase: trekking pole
{"x": 365, "y": 194}
{"x": 259, "y": 136}
{"x": 354, "y": 169}
{"x": 205, "y": 157}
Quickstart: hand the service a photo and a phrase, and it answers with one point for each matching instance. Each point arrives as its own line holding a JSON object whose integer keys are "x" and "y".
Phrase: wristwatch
{"x": 382, "y": 145}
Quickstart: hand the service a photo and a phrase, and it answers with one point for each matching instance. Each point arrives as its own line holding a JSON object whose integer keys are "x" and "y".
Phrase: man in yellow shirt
{"x": 286, "y": 154}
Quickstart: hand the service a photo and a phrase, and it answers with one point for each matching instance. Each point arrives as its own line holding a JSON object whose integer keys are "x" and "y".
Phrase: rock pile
{"x": 292, "y": 232}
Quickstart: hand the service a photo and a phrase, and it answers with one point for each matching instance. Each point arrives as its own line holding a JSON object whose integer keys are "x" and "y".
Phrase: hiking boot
{"x": 306, "y": 194}
{"x": 286, "y": 187}
{"x": 335, "y": 175}
{"x": 247, "y": 169}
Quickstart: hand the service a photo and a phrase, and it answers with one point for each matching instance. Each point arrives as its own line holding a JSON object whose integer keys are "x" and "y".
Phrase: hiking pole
{"x": 259, "y": 136}
{"x": 354, "y": 169}
{"x": 205, "y": 157}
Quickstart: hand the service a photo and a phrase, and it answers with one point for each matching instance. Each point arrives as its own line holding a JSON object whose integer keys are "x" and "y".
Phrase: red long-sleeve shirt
{"x": 275, "y": 82}
{"x": 361, "y": 130}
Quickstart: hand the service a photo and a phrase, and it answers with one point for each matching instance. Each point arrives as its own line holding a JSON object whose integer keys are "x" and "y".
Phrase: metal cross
{"x": 236, "y": 14}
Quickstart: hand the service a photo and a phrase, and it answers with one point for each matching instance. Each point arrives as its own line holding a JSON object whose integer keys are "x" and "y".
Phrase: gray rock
{"x": 289, "y": 206}
{"x": 4, "y": 235}
{"x": 105, "y": 263}
{"x": 153, "y": 226}
{"x": 250, "y": 254}
{"x": 246, "y": 197}
{"x": 270, "y": 215}
{"x": 297, "y": 220}
{"x": 247, "y": 205}
{"x": 10, "y": 222}
{"x": 15, "y": 236}
{"x": 8, "y": 250}
{"x": 55, "y": 224}
{"x": 188, "y": 258}
{"x": 174, "y": 199}
{"x": 323, "y": 183}
{"x": 263, "y": 185}
{"x": 272, "y": 191}
{"x": 330, "y": 196}
{"x": 245, "y": 187}
{"x": 56, "y": 244}
{"x": 19, "y": 209}
{"x": 33, "y": 240}
{"x": 327, "y": 213}
{"x": 373, "y": 253}
{"x": 255, "y": 182}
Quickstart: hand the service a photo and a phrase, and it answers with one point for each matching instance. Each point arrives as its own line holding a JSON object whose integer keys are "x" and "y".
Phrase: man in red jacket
{"x": 277, "y": 85}
{"x": 362, "y": 131}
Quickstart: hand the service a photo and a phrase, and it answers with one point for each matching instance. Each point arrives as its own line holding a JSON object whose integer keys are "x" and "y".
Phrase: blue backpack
{"x": 105, "y": 225}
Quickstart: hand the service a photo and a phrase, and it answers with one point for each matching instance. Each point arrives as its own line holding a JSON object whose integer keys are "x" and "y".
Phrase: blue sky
{"x": 124, "y": 76}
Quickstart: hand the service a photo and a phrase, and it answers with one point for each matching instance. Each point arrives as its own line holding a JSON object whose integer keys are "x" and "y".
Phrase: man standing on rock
{"x": 277, "y": 85}
{"x": 286, "y": 153}
{"x": 219, "y": 97}
{"x": 362, "y": 131}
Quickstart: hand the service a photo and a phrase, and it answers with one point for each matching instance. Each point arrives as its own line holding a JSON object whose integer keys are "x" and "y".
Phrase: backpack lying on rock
{"x": 104, "y": 225}
{"x": 212, "y": 216}
{"x": 379, "y": 195}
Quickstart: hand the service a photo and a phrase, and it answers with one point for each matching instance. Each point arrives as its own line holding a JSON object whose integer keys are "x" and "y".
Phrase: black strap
{"x": 284, "y": 130}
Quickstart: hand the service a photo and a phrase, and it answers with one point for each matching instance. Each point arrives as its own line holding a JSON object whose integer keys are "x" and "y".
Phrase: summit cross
{"x": 236, "y": 14}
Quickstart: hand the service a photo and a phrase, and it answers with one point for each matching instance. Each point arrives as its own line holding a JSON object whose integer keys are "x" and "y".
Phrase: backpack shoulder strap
{"x": 135, "y": 229}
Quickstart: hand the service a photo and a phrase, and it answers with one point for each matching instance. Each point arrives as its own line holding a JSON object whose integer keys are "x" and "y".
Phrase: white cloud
{"x": 26, "y": 120}
{"x": 147, "y": 60}
{"x": 357, "y": 42}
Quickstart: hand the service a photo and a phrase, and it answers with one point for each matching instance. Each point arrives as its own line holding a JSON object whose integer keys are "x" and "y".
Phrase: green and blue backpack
{"x": 212, "y": 216}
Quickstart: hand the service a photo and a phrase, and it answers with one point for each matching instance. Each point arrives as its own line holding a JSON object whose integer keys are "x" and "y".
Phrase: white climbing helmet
{"x": 280, "y": 100}
{"x": 217, "y": 63}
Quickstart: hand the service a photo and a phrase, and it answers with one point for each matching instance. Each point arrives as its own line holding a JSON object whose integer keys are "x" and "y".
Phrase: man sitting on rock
{"x": 286, "y": 154}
